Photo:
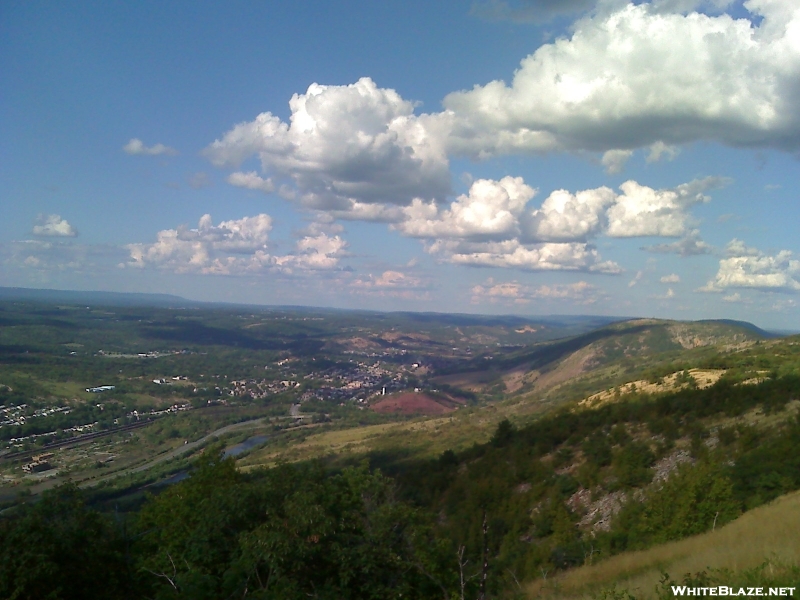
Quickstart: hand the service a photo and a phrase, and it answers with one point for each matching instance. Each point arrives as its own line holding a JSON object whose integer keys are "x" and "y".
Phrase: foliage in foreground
{"x": 298, "y": 531}
{"x": 294, "y": 532}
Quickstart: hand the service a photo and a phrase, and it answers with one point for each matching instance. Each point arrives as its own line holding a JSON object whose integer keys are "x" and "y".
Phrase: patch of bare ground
{"x": 568, "y": 369}
{"x": 597, "y": 514}
{"x": 396, "y": 336}
{"x": 360, "y": 343}
{"x": 415, "y": 403}
{"x": 702, "y": 377}
{"x": 668, "y": 464}
{"x": 689, "y": 338}
{"x": 526, "y": 329}
{"x": 516, "y": 378}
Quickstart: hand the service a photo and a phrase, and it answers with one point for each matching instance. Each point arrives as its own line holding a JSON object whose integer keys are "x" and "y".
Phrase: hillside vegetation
{"x": 762, "y": 542}
{"x": 563, "y": 456}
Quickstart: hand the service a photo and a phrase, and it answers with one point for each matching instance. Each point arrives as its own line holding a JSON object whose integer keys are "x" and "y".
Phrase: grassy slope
{"x": 767, "y": 532}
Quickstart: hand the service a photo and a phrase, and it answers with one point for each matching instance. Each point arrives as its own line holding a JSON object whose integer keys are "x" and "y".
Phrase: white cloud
{"x": 661, "y": 150}
{"x": 734, "y": 298}
{"x": 136, "y": 146}
{"x": 747, "y": 267}
{"x": 342, "y": 144}
{"x": 251, "y": 181}
{"x": 60, "y": 256}
{"x": 53, "y": 226}
{"x": 516, "y": 293}
{"x": 500, "y": 291}
{"x": 614, "y": 160}
{"x": 643, "y": 211}
{"x": 528, "y": 257}
{"x": 672, "y": 278}
{"x": 314, "y": 252}
{"x": 208, "y": 248}
{"x": 392, "y": 284}
{"x": 235, "y": 247}
{"x": 491, "y": 210}
{"x": 737, "y": 247}
{"x": 634, "y": 76}
{"x": 498, "y": 211}
{"x": 570, "y": 217}
{"x": 493, "y": 224}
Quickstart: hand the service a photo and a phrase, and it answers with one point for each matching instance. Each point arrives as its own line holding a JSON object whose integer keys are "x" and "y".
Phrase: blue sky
{"x": 528, "y": 157}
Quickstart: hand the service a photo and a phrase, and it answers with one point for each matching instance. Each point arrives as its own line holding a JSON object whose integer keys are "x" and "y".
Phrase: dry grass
{"x": 703, "y": 378}
{"x": 424, "y": 437}
{"x": 766, "y": 532}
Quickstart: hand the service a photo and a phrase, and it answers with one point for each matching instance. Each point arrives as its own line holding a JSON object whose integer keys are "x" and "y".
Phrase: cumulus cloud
{"x": 344, "y": 144}
{"x": 649, "y": 76}
{"x": 491, "y": 209}
{"x": 208, "y": 248}
{"x": 60, "y": 256}
{"x": 643, "y": 211}
{"x": 53, "y": 226}
{"x": 251, "y": 181}
{"x": 746, "y": 267}
{"x": 136, "y": 146}
{"x": 734, "y": 298}
{"x": 564, "y": 216}
{"x": 516, "y": 293}
{"x": 638, "y": 75}
{"x": 314, "y": 252}
{"x": 499, "y": 211}
{"x": 234, "y": 247}
{"x": 672, "y": 278}
{"x": 391, "y": 284}
{"x": 494, "y": 224}
{"x": 527, "y": 257}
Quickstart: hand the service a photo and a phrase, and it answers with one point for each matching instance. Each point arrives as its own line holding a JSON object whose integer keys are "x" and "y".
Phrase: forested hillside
{"x": 571, "y": 488}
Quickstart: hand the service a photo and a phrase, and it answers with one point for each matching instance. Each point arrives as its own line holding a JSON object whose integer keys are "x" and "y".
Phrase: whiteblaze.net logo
{"x": 724, "y": 590}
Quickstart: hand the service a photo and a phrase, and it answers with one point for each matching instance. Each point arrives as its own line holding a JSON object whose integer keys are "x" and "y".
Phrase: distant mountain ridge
{"x": 95, "y": 297}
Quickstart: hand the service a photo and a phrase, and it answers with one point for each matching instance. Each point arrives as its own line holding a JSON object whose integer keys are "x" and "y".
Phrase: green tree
{"x": 693, "y": 500}
{"x": 60, "y": 549}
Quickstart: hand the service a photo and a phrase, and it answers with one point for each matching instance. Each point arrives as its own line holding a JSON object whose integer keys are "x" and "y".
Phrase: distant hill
{"x": 96, "y": 298}
{"x": 606, "y": 356}
{"x": 745, "y": 325}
